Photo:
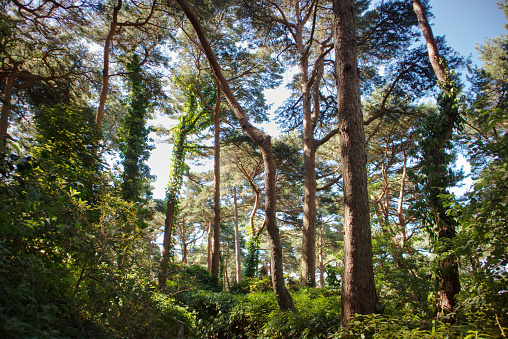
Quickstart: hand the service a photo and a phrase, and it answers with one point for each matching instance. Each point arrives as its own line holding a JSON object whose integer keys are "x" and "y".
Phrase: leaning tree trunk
{"x": 358, "y": 289}
{"x": 265, "y": 144}
{"x": 105, "y": 71}
{"x": 448, "y": 267}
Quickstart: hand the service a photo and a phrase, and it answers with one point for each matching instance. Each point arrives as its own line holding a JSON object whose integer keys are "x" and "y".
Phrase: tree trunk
{"x": 429, "y": 40}
{"x": 358, "y": 289}
{"x": 105, "y": 70}
{"x": 308, "y": 277}
{"x": 281, "y": 293}
{"x": 166, "y": 244}
{"x": 448, "y": 267}
{"x": 184, "y": 242}
{"x": 309, "y": 197}
{"x": 209, "y": 246}
{"x": 264, "y": 142}
{"x": 6, "y": 107}
{"x": 321, "y": 259}
{"x": 237, "y": 241}
{"x": 254, "y": 210}
{"x": 216, "y": 197}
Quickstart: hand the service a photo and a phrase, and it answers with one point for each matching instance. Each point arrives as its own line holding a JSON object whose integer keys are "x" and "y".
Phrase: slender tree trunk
{"x": 184, "y": 242}
{"x": 166, "y": 244}
{"x": 209, "y": 245}
{"x": 105, "y": 70}
{"x": 358, "y": 289}
{"x": 237, "y": 241}
{"x": 281, "y": 293}
{"x": 216, "y": 197}
{"x": 321, "y": 259}
{"x": 450, "y": 284}
{"x": 254, "y": 210}
{"x": 6, "y": 107}
{"x": 226, "y": 275}
{"x": 264, "y": 142}
{"x": 429, "y": 40}
{"x": 308, "y": 277}
{"x": 309, "y": 198}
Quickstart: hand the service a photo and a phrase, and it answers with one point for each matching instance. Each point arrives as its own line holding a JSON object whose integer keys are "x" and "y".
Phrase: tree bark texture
{"x": 264, "y": 142}
{"x": 358, "y": 289}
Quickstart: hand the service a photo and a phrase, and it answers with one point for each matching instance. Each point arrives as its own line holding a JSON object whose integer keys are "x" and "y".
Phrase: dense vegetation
{"x": 268, "y": 249}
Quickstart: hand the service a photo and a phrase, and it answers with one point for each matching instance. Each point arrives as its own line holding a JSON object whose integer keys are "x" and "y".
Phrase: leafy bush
{"x": 215, "y": 313}
{"x": 256, "y": 315}
{"x": 139, "y": 310}
{"x": 316, "y": 315}
{"x": 379, "y": 326}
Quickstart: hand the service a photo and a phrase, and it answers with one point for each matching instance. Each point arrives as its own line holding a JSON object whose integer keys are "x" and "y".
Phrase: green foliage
{"x": 252, "y": 259}
{"x": 333, "y": 275}
{"x": 214, "y": 312}
{"x": 132, "y": 306}
{"x": 481, "y": 239}
{"x": 194, "y": 119}
{"x": 390, "y": 327}
{"x": 133, "y": 137}
{"x": 74, "y": 259}
{"x": 316, "y": 315}
{"x": 433, "y": 151}
{"x": 256, "y": 314}
{"x": 197, "y": 277}
{"x": 404, "y": 285}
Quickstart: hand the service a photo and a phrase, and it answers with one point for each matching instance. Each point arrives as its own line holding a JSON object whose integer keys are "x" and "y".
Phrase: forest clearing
{"x": 344, "y": 223}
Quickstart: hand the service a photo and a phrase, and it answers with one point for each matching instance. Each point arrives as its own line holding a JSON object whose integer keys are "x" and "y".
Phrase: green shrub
{"x": 379, "y": 326}
{"x": 316, "y": 315}
{"x": 215, "y": 313}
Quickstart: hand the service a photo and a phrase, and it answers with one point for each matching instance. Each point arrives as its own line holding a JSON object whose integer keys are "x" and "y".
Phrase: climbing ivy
{"x": 433, "y": 151}
{"x": 133, "y": 137}
{"x": 433, "y": 180}
{"x": 252, "y": 258}
{"x": 195, "y": 118}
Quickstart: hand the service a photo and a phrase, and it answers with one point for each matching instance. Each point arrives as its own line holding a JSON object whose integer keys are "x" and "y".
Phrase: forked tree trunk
{"x": 358, "y": 289}
{"x": 264, "y": 142}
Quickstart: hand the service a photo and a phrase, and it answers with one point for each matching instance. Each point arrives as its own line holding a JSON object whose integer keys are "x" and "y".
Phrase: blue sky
{"x": 464, "y": 23}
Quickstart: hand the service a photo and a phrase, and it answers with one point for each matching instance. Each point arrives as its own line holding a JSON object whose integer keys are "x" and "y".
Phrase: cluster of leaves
{"x": 74, "y": 259}
{"x": 252, "y": 259}
{"x": 391, "y": 327}
{"x": 133, "y": 137}
{"x": 256, "y": 314}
